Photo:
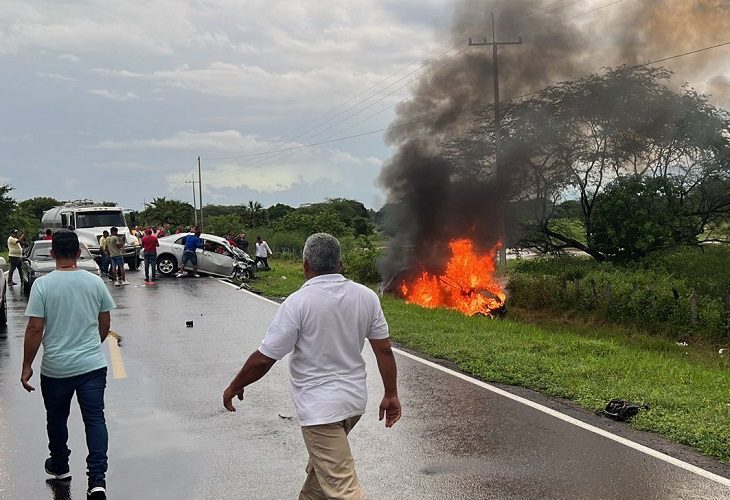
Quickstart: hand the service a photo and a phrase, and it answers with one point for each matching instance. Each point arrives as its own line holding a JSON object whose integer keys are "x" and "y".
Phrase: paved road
{"x": 171, "y": 439}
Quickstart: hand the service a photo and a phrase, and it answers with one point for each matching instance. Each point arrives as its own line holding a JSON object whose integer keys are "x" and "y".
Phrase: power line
{"x": 328, "y": 140}
{"x": 290, "y": 139}
{"x": 429, "y": 117}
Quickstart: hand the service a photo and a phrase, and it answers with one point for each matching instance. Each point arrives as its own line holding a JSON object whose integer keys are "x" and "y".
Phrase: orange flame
{"x": 467, "y": 285}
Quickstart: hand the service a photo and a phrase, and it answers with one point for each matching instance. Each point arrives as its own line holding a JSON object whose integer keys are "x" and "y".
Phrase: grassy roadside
{"x": 687, "y": 387}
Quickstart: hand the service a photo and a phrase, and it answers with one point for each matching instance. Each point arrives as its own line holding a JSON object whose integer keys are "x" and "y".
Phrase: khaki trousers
{"x": 331, "y": 469}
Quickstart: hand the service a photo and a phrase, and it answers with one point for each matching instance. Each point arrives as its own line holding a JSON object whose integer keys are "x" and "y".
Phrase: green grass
{"x": 284, "y": 278}
{"x": 687, "y": 387}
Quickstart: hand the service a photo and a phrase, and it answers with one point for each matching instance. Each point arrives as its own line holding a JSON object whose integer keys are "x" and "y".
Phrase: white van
{"x": 88, "y": 220}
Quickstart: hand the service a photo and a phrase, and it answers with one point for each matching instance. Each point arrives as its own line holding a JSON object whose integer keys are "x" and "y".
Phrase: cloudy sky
{"x": 116, "y": 100}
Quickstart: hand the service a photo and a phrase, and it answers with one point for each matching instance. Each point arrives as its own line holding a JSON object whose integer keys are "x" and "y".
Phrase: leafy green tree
{"x": 573, "y": 138}
{"x": 278, "y": 212}
{"x": 635, "y": 216}
{"x": 308, "y": 223}
{"x": 221, "y": 225}
{"x": 36, "y": 206}
{"x": 7, "y": 205}
{"x": 161, "y": 211}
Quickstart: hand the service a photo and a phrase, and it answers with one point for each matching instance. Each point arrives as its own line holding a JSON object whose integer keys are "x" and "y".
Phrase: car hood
{"x": 46, "y": 266}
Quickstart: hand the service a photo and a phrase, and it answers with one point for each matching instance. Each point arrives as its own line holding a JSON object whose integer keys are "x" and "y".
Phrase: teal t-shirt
{"x": 70, "y": 303}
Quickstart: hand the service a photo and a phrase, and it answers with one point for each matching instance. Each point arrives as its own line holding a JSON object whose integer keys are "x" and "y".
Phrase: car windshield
{"x": 42, "y": 251}
{"x": 102, "y": 218}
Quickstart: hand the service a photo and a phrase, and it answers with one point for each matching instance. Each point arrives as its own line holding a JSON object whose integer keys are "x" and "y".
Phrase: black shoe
{"x": 96, "y": 493}
{"x": 63, "y": 474}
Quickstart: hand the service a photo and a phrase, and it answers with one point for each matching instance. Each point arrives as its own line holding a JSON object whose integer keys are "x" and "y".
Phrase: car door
{"x": 213, "y": 262}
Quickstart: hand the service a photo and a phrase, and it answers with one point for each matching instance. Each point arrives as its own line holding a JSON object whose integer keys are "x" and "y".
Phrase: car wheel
{"x": 166, "y": 265}
{"x": 242, "y": 274}
{"x": 4, "y": 311}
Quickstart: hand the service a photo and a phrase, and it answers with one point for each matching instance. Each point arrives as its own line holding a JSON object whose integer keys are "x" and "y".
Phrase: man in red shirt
{"x": 150, "y": 244}
{"x": 48, "y": 235}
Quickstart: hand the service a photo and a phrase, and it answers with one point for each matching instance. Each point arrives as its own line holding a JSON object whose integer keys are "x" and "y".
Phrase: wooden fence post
{"x": 693, "y": 308}
{"x": 726, "y": 302}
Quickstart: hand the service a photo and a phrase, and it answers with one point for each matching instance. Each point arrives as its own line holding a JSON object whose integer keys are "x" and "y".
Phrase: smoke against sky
{"x": 432, "y": 203}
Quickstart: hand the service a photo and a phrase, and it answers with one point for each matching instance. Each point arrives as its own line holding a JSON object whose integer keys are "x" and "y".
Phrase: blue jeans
{"x": 150, "y": 260}
{"x": 105, "y": 263}
{"x": 89, "y": 389}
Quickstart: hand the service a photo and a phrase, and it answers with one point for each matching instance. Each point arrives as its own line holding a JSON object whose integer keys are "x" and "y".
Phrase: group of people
{"x": 328, "y": 318}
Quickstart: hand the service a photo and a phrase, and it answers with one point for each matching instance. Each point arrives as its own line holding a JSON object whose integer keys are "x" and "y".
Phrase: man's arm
{"x": 105, "y": 322}
{"x": 33, "y": 338}
{"x": 256, "y": 366}
{"x": 390, "y": 405}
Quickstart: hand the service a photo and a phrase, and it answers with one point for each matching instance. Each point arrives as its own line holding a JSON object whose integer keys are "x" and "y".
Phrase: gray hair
{"x": 322, "y": 252}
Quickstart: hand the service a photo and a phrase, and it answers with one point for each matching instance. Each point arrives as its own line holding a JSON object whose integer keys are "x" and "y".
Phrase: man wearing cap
{"x": 68, "y": 313}
{"x": 15, "y": 252}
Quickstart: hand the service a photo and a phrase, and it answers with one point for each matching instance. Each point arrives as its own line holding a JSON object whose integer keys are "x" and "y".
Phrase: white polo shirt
{"x": 325, "y": 324}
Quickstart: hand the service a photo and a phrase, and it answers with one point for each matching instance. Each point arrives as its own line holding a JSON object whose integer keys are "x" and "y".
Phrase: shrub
{"x": 654, "y": 299}
{"x": 359, "y": 257}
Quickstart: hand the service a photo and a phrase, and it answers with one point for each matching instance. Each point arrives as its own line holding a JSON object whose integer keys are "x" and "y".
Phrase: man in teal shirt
{"x": 68, "y": 312}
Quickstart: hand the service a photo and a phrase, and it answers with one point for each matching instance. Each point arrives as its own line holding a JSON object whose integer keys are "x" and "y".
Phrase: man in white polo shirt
{"x": 325, "y": 324}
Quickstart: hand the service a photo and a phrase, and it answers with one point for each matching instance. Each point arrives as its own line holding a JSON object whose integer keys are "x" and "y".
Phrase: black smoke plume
{"x": 431, "y": 198}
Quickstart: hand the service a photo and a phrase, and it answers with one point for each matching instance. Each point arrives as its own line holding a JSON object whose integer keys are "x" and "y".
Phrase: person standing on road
{"x": 115, "y": 246}
{"x": 325, "y": 324}
{"x": 163, "y": 232}
{"x": 262, "y": 252}
{"x": 48, "y": 235}
{"x": 192, "y": 243}
{"x": 15, "y": 254}
{"x": 68, "y": 312}
{"x": 150, "y": 244}
{"x": 104, "y": 251}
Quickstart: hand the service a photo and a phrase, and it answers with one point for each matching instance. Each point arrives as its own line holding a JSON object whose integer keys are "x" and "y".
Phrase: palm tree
{"x": 255, "y": 213}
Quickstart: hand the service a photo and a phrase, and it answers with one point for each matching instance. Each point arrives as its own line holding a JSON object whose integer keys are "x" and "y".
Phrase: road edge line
{"x": 553, "y": 413}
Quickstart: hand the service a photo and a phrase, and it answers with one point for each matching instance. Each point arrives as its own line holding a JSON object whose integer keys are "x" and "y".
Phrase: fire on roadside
{"x": 468, "y": 284}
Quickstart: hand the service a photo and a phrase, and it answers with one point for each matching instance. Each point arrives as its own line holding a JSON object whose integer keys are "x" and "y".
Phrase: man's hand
{"x": 25, "y": 376}
{"x": 228, "y": 395}
{"x": 390, "y": 409}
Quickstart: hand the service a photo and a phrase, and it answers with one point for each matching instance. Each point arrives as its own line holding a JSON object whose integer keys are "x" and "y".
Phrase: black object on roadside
{"x": 189, "y": 324}
{"x": 621, "y": 410}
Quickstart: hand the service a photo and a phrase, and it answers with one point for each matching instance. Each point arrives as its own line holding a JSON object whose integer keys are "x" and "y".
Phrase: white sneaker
{"x": 125, "y": 282}
{"x": 196, "y": 275}
{"x": 117, "y": 283}
{"x": 179, "y": 275}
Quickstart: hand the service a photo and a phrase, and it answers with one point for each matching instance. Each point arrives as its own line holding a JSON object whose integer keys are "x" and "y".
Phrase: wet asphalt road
{"x": 170, "y": 438}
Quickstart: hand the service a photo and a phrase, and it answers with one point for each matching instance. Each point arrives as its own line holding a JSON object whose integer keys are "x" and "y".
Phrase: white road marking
{"x": 553, "y": 413}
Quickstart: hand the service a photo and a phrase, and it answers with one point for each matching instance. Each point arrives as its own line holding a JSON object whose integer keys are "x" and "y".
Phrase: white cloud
{"x": 69, "y": 57}
{"x": 26, "y": 138}
{"x": 114, "y": 96}
{"x": 54, "y": 76}
{"x": 224, "y": 140}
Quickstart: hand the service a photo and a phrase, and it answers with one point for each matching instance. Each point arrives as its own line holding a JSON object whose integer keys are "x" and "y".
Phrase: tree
{"x": 7, "y": 205}
{"x": 308, "y": 223}
{"x": 223, "y": 224}
{"x": 278, "y": 211}
{"x": 256, "y": 215}
{"x": 36, "y": 206}
{"x": 162, "y": 211}
{"x": 636, "y": 215}
{"x": 573, "y": 138}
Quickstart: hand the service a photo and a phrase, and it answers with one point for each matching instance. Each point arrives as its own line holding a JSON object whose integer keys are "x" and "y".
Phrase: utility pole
{"x": 498, "y": 168}
{"x": 195, "y": 207}
{"x": 200, "y": 197}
